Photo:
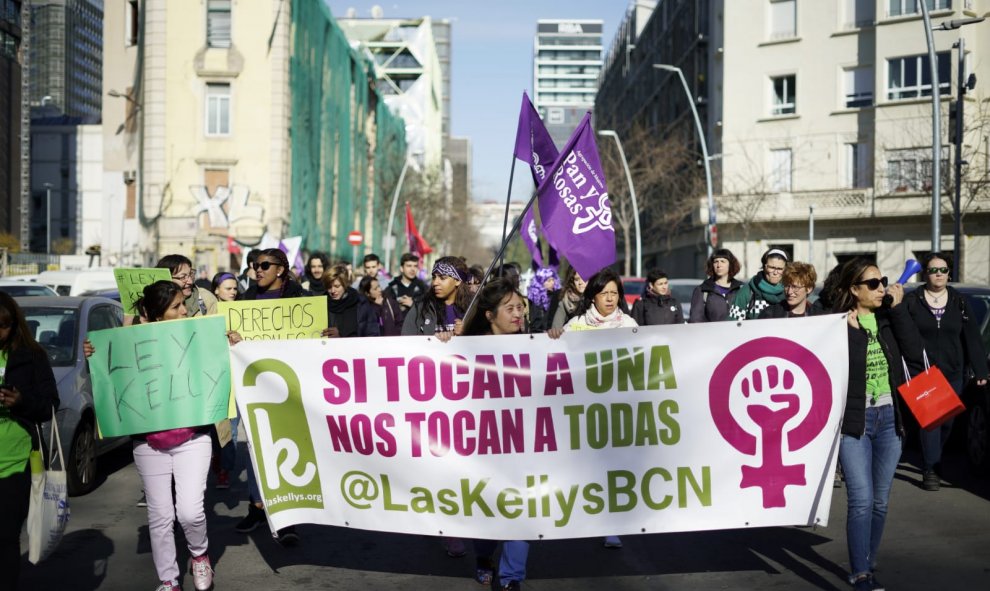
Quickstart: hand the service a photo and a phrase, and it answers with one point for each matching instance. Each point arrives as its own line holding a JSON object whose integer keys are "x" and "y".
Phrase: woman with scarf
{"x": 384, "y": 306}
{"x": 442, "y": 310}
{"x": 765, "y": 289}
{"x": 564, "y": 303}
{"x": 316, "y": 267}
{"x": 348, "y": 312}
{"x": 657, "y": 306}
{"x": 544, "y": 284}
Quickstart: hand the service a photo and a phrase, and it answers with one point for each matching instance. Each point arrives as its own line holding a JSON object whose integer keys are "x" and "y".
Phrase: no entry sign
{"x": 355, "y": 238}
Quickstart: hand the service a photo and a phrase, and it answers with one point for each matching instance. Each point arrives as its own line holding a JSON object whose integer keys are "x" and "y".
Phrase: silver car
{"x": 59, "y": 325}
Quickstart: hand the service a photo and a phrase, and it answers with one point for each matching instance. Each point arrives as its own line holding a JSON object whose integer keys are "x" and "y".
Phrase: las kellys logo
{"x": 770, "y": 397}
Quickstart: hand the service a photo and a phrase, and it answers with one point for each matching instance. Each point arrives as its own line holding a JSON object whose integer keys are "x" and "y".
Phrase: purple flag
{"x": 535, "y": 147}
{"x": 574, "y": 205}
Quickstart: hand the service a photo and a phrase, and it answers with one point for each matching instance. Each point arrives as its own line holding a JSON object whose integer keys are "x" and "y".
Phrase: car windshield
{"x": 26, "y": 290}
{"x": 55, "y": 330}
{"x": 633, "y": 287}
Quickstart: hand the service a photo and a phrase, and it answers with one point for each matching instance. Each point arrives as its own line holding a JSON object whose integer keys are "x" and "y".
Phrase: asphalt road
{"x": 937, "y": 540}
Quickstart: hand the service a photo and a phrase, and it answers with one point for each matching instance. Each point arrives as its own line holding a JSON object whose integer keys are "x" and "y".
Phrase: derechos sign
{"x": 654, "y": 429}
{"x": 275, "y": 320}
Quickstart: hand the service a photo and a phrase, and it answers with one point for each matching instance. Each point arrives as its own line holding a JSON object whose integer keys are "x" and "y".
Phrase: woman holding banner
{"x": 27, "y": 397}
{"x": 442, "y": 310}
{"x": 274, "y": 280}
{"x": 880, "y": 333}
{"x": 952, "y": 339}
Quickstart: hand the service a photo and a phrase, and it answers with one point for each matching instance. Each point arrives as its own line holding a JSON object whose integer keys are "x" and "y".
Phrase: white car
{"x": 17, "y": 288}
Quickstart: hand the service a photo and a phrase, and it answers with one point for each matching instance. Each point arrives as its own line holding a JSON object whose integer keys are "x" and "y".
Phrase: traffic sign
{"x": 355, "y": 238}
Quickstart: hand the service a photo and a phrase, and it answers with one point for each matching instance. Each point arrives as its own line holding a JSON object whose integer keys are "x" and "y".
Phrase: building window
{"x": 783, "y": 89}
{"x": 910, "y": 77}
{"x": 903, "y": 7}
{"x": 857, "y": 166}
{"x": 910, "y": 171}
{"x": 555, "y": 115}
{"x": 859, "y": 13}
{"x": 783, "y": 19}
{"x": 858, "y": 86}
{"x": 780, "y": 170}
{"x": 218, "y": 23}
{"x": 217, "y": 109}
{"x": 132, "y": 23}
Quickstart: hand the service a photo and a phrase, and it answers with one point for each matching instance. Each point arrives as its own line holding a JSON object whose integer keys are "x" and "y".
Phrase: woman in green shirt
{"x": 27, "y": 397}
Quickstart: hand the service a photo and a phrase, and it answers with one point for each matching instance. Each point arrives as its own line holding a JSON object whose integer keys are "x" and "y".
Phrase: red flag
{"x": 417, "y": 244}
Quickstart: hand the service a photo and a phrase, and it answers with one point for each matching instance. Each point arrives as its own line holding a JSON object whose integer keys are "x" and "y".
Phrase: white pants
{"x": 189, "y": 464}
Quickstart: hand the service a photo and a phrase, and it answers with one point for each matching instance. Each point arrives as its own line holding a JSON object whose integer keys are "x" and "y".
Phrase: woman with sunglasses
{"x": 27, "y": 397}
{"x": 763, "y": 290}
{"x": 274, "y": 281}
{"x": 880, "y": 332}
{"x": 952, "y": 340}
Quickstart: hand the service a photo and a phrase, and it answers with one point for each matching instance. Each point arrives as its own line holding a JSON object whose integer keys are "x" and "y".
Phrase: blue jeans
{"x": 933, "y": 441}
{"x": 228, "y": 453}
{"x": 512, "y": 564}
{"x": 868, "y": 463}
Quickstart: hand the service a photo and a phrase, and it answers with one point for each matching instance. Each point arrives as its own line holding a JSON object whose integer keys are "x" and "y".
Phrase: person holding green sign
{"x": 27, "y": 397}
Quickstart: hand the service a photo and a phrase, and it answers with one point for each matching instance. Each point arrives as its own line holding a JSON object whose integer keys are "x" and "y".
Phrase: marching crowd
{"x": 890, "y": 335}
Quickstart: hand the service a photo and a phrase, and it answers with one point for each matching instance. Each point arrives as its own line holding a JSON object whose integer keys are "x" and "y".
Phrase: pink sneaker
{"x": 202, "y": 573}
{"x": 168, "y": 586}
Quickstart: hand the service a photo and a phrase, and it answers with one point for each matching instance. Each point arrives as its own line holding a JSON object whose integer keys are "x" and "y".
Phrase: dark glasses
{"x": 264, "y": 266}
{"x": 938, "y": 270}
{"x": 873, "y": 284}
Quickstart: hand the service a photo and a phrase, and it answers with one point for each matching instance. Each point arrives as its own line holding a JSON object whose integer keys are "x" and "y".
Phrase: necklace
{"x": 936, "y": 299}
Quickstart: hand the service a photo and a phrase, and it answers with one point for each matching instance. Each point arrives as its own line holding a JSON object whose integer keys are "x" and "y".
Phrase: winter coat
{"x": 421, "y": 319}
{"x": 781, "y": 311}
{"x": 653, "y": 309}
{"x": 707, "y": 305}
{"x": 389, "y": 315}
{"x": 953, "y": 343}
{"x": 291, "y": 289}
{"x": 352, "y": 315}
{"x": 751, "y": 299}
{"x": 30, "y": 372}
{"x": 898, "y": 337}
{"x": 417, "y": 289}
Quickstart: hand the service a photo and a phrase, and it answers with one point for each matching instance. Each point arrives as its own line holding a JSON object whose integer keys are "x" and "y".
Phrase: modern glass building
{"x": 567, "y": 58}
{"x": 10, "y": 116}
{"x": 66, "y": 56}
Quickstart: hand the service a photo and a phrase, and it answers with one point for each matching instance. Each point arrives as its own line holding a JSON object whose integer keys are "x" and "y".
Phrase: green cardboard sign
{"x": 131, "y": 284}
{"x": 162, "y": 375}
{"x": 275, "y": 320}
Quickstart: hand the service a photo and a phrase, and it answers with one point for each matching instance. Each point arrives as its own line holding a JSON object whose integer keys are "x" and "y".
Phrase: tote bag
{"x": 930, "y": 396}
{"x": 49, "y": 510}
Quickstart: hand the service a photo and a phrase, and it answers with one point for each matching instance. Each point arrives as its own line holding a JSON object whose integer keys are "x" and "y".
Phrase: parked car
{"x": 681, "y": 289}
{"x": 73, "y": 283}
{"x": 977, "y": 400}
{"x": 60, "y": 325}
{"x": 633, "y": 288}
{"x": 16, "y": 288}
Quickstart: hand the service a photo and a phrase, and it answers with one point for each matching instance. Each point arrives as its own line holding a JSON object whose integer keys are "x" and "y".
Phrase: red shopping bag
{"x": 930, "y": 397}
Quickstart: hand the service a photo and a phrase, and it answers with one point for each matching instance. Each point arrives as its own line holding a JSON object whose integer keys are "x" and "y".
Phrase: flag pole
{"x": 505, "y": 220}
{"x": 501, "y": 251}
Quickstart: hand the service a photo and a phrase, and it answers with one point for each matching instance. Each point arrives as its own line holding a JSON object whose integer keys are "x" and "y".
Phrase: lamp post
{"x": 395, "y": 201}
{"x": 48, "y": 218}
{"x": 957, "y": 133}
{"x": 632, "y": 194}
{"x": 704, "y": 151}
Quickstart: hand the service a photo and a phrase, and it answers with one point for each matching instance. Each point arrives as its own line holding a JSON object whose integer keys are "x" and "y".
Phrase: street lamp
{"x": 704, "y": 151}
{"x": 48, "y": 218}
{"x": 632, "y": 194}
{"x": 395, "y": 201}
{"x": 963, "y": 85}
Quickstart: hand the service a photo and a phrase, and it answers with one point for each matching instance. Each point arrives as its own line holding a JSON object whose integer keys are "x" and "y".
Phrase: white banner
{"x": 654, "y": 429}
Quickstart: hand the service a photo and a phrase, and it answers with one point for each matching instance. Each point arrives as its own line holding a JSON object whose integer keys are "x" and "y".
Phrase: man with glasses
{"x": 763, "y": 290}
{"x": 199, "y": 301}
{"x": 799, "y": 281}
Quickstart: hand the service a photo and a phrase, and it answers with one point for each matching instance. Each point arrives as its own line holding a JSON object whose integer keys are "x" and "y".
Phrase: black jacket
{"x": 953, "y": 344}
{"x": 291, "y": 290}
{"x": 713, "y": 307}
{"x": 898, "y": 337}
{"x": 30, "y": 372}
{"x": 653, "y": 309}
{"x": 352, "y": 315}
{"x": 389, "y": 315}
{"x": 780, "y": 311}
{"x": 417, "y": 289}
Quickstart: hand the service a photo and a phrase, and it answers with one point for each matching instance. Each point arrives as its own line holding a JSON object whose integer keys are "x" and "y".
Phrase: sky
{"x": 491, "y": 66}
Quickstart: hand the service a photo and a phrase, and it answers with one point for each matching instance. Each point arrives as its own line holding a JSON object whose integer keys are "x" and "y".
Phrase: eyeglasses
{"x": 938, "y": 270}
{"x": 873, "y": 284}
{"x": 794, "y": 287}
{"x": 774, "y": 270}
{"x": 265, "y": 265}
{"x": 183, "y": 277}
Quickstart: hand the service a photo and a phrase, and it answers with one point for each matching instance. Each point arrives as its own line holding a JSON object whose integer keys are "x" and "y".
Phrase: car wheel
{"x": 977, "y": 442}
{"x": 81, "y": 467}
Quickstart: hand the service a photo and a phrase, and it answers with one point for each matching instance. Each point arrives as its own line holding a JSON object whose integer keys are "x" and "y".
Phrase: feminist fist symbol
{"x": 773, "y": 400}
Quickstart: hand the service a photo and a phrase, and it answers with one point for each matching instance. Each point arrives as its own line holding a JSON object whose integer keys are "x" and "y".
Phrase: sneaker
{"x": 455, "y": 547}
{"x": 511, "y": 586}
{"x": 930, "y": 480}
{"x": 613, "y": 542}
{"x": 875, "y": 584}
{"x": 484, "y": 571}
{"x": 287, "y": 536}
{"x": 254, "y": 518}
{"x": 223, "y": 480}
{"x": 143, "y": 501}
{"x": 169, "y": 586}
{"x": 202, "y": 572}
